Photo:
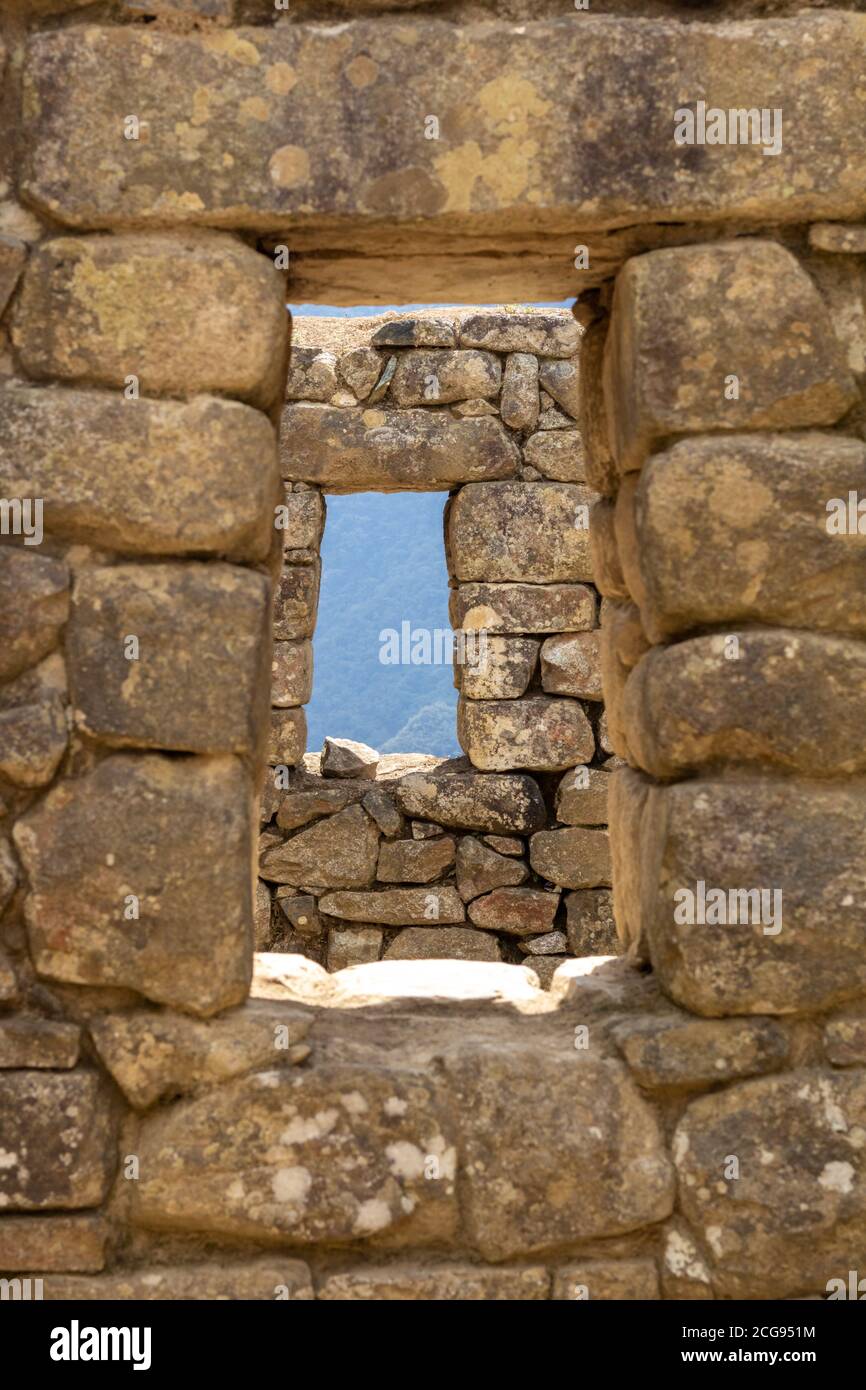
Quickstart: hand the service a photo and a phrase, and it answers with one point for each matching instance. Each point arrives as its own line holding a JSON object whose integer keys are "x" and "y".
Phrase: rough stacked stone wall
{"x": 502, "y": 854}
{"x": 428, "y": 1129}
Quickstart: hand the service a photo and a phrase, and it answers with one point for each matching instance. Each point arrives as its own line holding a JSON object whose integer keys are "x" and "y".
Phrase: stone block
{"x": 353, "y": 946}
{"x": 34, "y": 730}
{"x": 683, "y": 325}
{"x": 534, "y": 1176}
{"x": 376, "y": 449}
{"x": 628, "y": 800}
{"x": 288, "y": 742}
{"x": 303, "y": 519}
{"x": 298, "y": 808}
{"x": 415, "y": 861}
{"x": 117, "y": 841}
{"x": 601, "y": 470}
{"x": 312, "y": 375}
{"x": 557, "y": 454}
{"x": 396, "y": 907}
{"x": 131, "y": 475}
{"x": 272, "y": 1277}
{"x": 360, "y": 369}
{"x": 437, "y": 377}
{"x": 401, "y": 1283}
{"x": 752, "y": 540}
{"x": 519, "y": 403}
{"x": 291, "y": 673}
{"x": 34, "y": 605}
{"x": 296, "y": 601}
{"x": 532, "y": 532}
{"x": 793, "y": 701}
{"x": 347, "y": 757}
{"x": 155, "y": 1055}
{"x": 339, "y": 852}
{"x": 57, "y": 1133}
{"x": 615, "y": 1280}
{"x": 607, "y": 570}
{"x": 571, "y": 665}
{"x": 13, "y": 255}
{"x": 515, "y": 911}
{"x": 407, "y": 331}
{"x": 519, "y": 608}
{"x": 767, "y": 871}
{"x": 500, "y": 805}
{"x": 196, "y": 679}
{"x": 793, "y": 1216}
{"x": 275, "y": 1156}
{"x": 590, "y": 923}
{"x": 50, "y": 1243}
{"x": 29, "y": 1041}
{"x": 845, "y": 1041}
{"x": 676, "y": 1052}
{"x": 561, "y": 380}
{"x": 541, "y": 733}
{"x": 581, "y": 797}
{"x": 187, "y": 313}
{"x": 498, "y": 668}
{"x": 545, "y": 335}
{"x": 572, "y": 858}
{"x": 443, "y": 943}
{"x": 480, "y": 869}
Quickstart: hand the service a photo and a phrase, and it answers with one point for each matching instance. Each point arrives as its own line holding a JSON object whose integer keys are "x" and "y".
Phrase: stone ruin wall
{"x": 428, "y": 1129}
{"x": 484, "y": 405}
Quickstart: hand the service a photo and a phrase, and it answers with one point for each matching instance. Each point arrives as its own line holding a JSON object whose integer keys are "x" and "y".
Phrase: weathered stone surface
{"x": 682, "y": 325}
{"x": 557, "y": 454}
{"x": 604, "y": 552}
{"x": 312, "y": 375}
{"x": 132, "y": 474}
{"x": 561, "y": 380}
{"x": 199, "y": 678}
{"x": 288, "y": 740}
{"x": 480, "y": 869}
{"x": 396, "y": 907}
{"x": 401, "y": 1283}
{"x": 838, "y": 238}
{"x": 573, "y": 858}
{"x": 27, "y": 1041}
{"x": 439, "y": 376}
{"x": 623, "y": 643}
{"x": 272, "y": 1278}
{"x": 845, "y": 1041}
{"x": 557, "y": 1147}
{"x": 124, "y": 829}
{"x": 406, "y": 331}
{"x": 551, "y": 417}
{"x": 415, "y": 861}
{"x": 673, "y": 1051}
{"x": 571, "y": 665}
{"x": 601, "y": 471}
{"x": 617, "y": 1280}
{"x": 8, "y": 874}
{"x": 790, "y": 1220}
{"x": 298, "y": 808}
{"x": 392, "y": 450}
{"x": 519, "y": 403}
{"x": 504, "y": 844}
{"x": 498, "y": 668}
{"x": 546, "y": 335}
{"x": 273, "y": 126}
{"x": 590, "y": 923}
{"x": 797, "y": 839}
{"x": 291, "y": 673}
{"x": 443, "y": 943}
{"x": 581, "y": 797}
{"x": 360, "y": 369}
{"x": 628, "y": 803}
{"x": 296, "y": 600}
{"x": 303, "y": 520}
{"x": 515, "y": 911}
{"x": 33, "y": 725}
{"x": 425, "y": 830}
{"x": 57, "y": 1136}
{"x": 522, "y": 607}
{"x": 187, "y": 313}
{"x": 353, "y": 946}
{"x": 552, "y": 943}
{"x": 791, "y": 700}
{"x": 152, "y": 1055}
{"x": 276, "y": 1155}
{"x": 534, "y": 532}
{"x": 301, "y": 911}
{"x": 751, "y": 542}
{"x": 464, "y": 409}
{"x": 339, "y": 852}
{"x": 474, "y": 801}
{"x": 34, "y": 605}
{"x": 541, "y": 733}
{"x": 345, "y": 757}
{"x": 50, "y": 1243}
{"x": 13, "y": 254}
{"x": 684, "y": 1272}
{"x": 380, "y": 805}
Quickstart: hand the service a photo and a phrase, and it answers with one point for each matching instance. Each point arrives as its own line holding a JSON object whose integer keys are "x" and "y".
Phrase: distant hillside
{"x": 383, "y": 564}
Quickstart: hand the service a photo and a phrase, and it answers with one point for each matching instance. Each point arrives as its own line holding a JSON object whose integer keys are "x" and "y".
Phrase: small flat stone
{"x": 515, "y": 911}
{"x": 344, "y": 757}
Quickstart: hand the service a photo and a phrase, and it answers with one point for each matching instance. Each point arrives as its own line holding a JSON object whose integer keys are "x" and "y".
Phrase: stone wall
{"x": 177, "y": 1120}
{"x": 512, "y": 838}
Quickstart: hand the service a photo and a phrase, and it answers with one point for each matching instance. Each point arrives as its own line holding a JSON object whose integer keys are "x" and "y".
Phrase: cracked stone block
{"x": 57, "y": 1137}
